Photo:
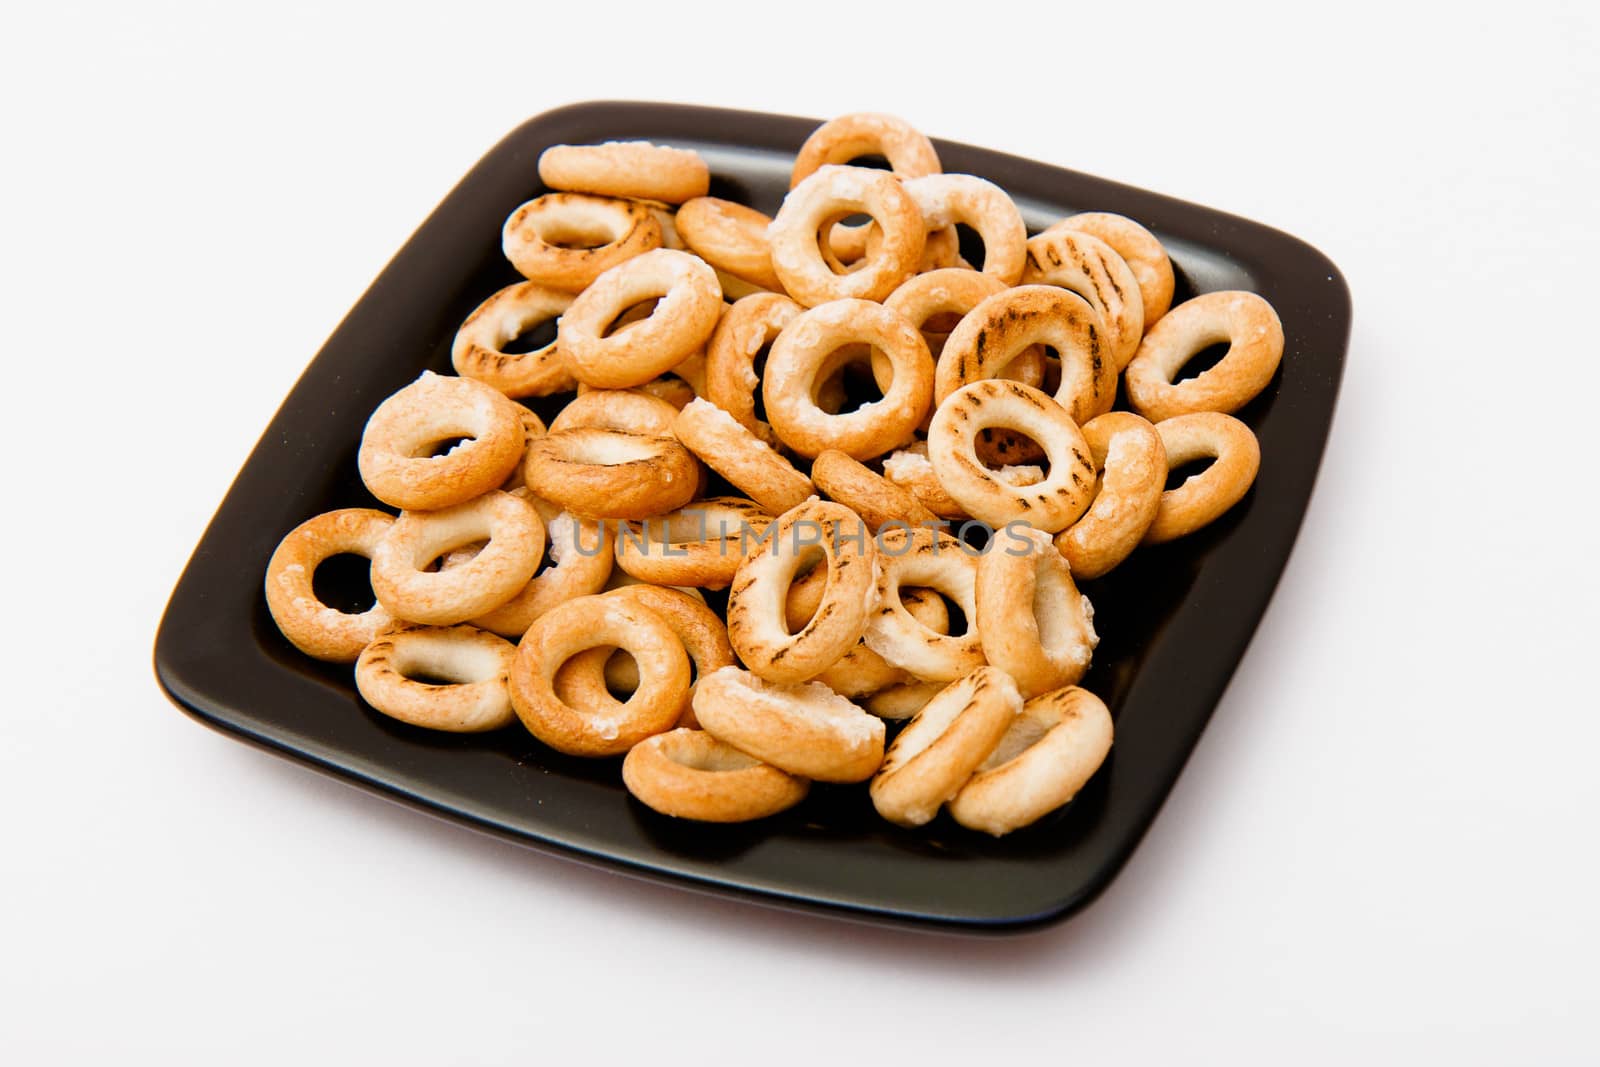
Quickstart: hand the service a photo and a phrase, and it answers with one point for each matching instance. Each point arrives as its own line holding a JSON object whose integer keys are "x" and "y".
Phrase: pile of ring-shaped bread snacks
{"x": 596, "y": 534}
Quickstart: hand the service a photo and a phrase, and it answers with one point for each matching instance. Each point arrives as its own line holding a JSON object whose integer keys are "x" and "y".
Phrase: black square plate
{"x": 1174, "y": 620}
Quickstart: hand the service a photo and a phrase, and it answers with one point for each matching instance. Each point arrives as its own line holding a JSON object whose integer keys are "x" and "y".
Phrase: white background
{"x": 1384, "y": 845}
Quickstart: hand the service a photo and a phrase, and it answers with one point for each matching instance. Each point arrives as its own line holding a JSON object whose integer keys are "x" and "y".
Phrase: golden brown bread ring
{"x": 1204, "y": 498}
{"x": 948, "y": 199}
{"x": 999, "y": 329}
{"x": 862, "y": 671}
{"x": 730, "y": 237}
{"x": 806, "y": 729}
{"x": 515, "y": 537}
{"x": 1033, "y": 622}
{"x": 751, "y": 324}
{"x": 545, "y": 238}
{"x": 939, "y": 749}
{"x": 595, "y": 622}
{"x": 870, "y": 495}
{"x": 604, "y": 474}
{"x": 933, "y": 560}
{"x": 952, "y": 291}
{"x": 394, "y": 460}
{"x": 829, "y": 194}
{"x": 635, "y": 169}
{"x": 741, "y": 457}
{"x": 689, "y": 774}
{"x": 864, "y": 133}
{"x": 902, "y": 701}
{"x": 623, "y": 410}
{"x": 699, "y": 545}
{"x": 799, "y": 362}
{"x": 1255, "y": 346}
{"x": 501, "y": 319}
{"x": 1050, "y": 752}
{"x": 757, "y": 609}
{"x": 1092, "y": 269}
{"x": 476, "y": 663}
{"x": 690, "y": 302}
{"x": 581, "y": 560}
{"x": 1050, "y": 505}
{"x": 309, "y": 624}
{"x": 1139, "y": 249}
{"x": 1128, "y": 452}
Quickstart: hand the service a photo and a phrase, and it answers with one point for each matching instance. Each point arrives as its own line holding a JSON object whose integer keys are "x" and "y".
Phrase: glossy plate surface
{"x": 1173, "y": 620}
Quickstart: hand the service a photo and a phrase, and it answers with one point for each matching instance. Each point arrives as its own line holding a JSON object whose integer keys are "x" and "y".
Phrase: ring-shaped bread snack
{"x": 899, "y": 702}
{"x": 757, "y": 599}
{"x": 605, "y": 474}
{"x": 869, "y": 494}
{"x": 1204, "y": 498}
{"x": 394, "y": 459}
{"x": 505, "y": 316}
{"x": 751, "y": 324}
{"x": 1128, "y": 452}
{"x": 1139, "y": 249}
{"x": 474, "y": 661}
{"x": 580, "y": 564}
{"x": 689, "y": 304}
{"x": 701, "y": 544}
{"x": 1033, "y": 622}
{"x": 948, "y": 199}
{"x": 862, "y": 671}
{"x": 310, "y": 625}
{"x": 689, "y": 774}
{"x": 730, "y": 237}
{"x": 929, "y": 559}
{"x": 941, "y": 747}
{"x": 798, "y": 364}
{"x": 515, "y": 537}
{"x": 1050, "y": 752}
{"x": 595, "y": 622}
{"x": 1050, "y": 505}
{"x": 806, "y": 729}
{"x": 741, "y": 457}
{"x": 623, "y": 410}
{"x": 832, "y": 193}
{"x": 567, "y": 240}
{"x": 951, "y": 291}
{"x": 997, "y": 331}
{"x": 864, "y": 133}
{"x": 1255, "y": 345}
{"x": 637, "y": 170}
{"x": 1091, "y": 268}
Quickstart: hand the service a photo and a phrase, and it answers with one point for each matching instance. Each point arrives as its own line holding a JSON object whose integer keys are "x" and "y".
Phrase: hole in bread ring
{"x": 1133, "y": 461}
{"x": 475, "y": 663}
{"x": 936, "y": 561}
{"x": 1139, "y": 249}
{"x": 1206, "y": 496}
{"x": 396, "y": 460}
{"x": 638, "y": 170}
{"x": 1091, "y": 268}
{"x": 746, "y": 328}
{"x": 689, "y": 774}
{"x": 690, "y": 302}
{"x": 701, "y": 544}
{"x": 1049, "y": 753}
{"x": 599, "y": 473}
{"x": 311, "y": 625}
{"x": 730, "y": 237}
{"x": 1051, "y": 504}
{"x": 830, "y": 193}
{"x": 939, "y": 749}
{"x": 595, "y": 622}
{"x": 515, "y": 537}
{"x": 478, "y": 350}
{"x": 1255, "y": 346}
{"x": 741, "y": 457}
{"x": 1033, "y": 622}
{"x": 800, "y": 356}
{"x": 567, "y": 240}
{"x": 757, "y": 613}
{"x": 806, "y": 729}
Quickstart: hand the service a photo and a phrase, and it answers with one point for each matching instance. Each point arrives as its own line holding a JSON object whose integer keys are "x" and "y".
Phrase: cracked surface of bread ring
{"x": 805, "y": 729}
{"x": 1049, "y": 505}
{"x": 638, "y": 170}
{"x": 948, "y": 199}
{"x": 604, "y": 474}
{"x": 1255, "y": 346}
{"x": 1049, "y": 753}
{"x": 474, "y": 661}
{"x": 310, "y": 625}
{"x": 1128, "y": 452}
{"x": 831, "y": 193}
{"x": 1206, "y": 496}
{"x": 1091, "y": 268}
{"x": 594, "y": 622}
{"x": 751, "y": 324}
{"x": 567, "y": 240}
{"x": 689, "y": 774}
{"x": 940, "y": 748}
{"x": 515, "y": 537}
{"x": 1139, "y": 249}
{"x": 1033, "y": 622}
{"x": 730, "y": 237}
{"x": 741, "y": 457}
{"x": 757, "y": 599}
{"x": 394, "y": 460}
{"x": 933, "y": 560}
{"x": 689, "y": 304}
{"x": 505, "y": 316}
{"x": 701, "y": 544}
{"x": 800, "y": 356}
